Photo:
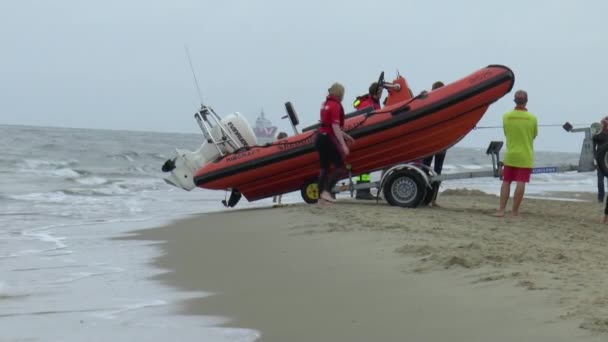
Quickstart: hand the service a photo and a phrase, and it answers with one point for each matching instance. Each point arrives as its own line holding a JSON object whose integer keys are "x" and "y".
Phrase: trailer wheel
{"x": 310, "y": 192}
{"x": 431, "y": 194}
{"x": 602, "y": 159}
{"x": 405, "y": 188}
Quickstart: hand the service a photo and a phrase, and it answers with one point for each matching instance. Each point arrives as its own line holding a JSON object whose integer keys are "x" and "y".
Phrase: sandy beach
{"x": 361, "y": 271}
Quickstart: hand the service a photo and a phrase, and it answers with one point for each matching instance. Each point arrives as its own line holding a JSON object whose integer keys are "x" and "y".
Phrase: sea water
{"x": 65, "y": 192}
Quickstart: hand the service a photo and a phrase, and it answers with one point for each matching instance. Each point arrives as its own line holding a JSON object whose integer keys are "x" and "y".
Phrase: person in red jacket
{"x": 371, "y": 99}
{"x": 331, "y": 141}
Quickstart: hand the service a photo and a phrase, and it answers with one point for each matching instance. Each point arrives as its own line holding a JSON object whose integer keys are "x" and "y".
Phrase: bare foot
{"x": 435, "y": 205}
{"x": 605, "y": 220}
{"x": 326, "y": 196}
{"x": 499, "y": 213}
{"x": 321, "y": 202}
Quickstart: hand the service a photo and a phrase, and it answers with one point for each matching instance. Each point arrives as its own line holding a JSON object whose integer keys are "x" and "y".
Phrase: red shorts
{"x": 516, "y": 174}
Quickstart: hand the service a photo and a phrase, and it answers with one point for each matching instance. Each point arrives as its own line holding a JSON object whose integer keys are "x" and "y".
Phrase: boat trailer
{"x": 411, "y": 185}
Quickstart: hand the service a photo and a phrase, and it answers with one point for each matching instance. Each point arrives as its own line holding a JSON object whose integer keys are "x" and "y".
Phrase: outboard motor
{"x": 221, "y": 137}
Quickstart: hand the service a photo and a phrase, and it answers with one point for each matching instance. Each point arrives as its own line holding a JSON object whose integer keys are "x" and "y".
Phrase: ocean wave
{"x": 58, "y": 197}
{"x": 143, "y": 169}
{"x": 567, "y": 178}
{"x": 125, "y": 155}
{"x": 84, "y": 275}
{"x": 87, "y": 194}
{"x": 92, "y": 180}
{"x": 112, "y": 314}
{"x": 473, "y": 166}
{"x": 19, "y": 213}
{"x": 8, "y": 163}
{"x": 42, "y": 164}
{"x": 66, "y": 173}
{"x": 51, "y": 146}
{"x": 158, "y": 156}
{"x": 134, "y": 171}
{"x": 56, "y": 168}
{"x": 6, "y": 293}
{"x": 47, "y": 237}
{"x": 113, "y": 190}
{"x": 132, "y": 156}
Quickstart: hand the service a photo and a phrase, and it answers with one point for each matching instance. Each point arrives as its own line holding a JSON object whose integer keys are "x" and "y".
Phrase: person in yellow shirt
{"x": 520, "y": 128}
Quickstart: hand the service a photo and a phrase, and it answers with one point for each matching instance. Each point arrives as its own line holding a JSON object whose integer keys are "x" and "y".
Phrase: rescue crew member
{"x": 520, "y": 128}
{"x": 371, "y": 99}
{"x": 331, "y": 142}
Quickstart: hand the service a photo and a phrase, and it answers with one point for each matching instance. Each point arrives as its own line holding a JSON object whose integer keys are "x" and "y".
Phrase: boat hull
{"x": 397, "y": 133}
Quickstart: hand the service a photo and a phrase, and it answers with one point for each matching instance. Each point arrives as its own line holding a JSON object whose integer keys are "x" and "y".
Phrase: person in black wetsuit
{"x": 439, "y": 157}
{"x": 598, "y": 140}
{"x": 331, "y": 142}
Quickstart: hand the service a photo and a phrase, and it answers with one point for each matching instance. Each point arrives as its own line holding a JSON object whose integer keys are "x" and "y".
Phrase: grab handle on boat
{"x": 395, "y": 87}
{"x": 406, "y": 106}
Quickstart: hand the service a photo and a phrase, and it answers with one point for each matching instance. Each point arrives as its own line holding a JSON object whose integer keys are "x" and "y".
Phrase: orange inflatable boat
{"x": 407, "y": 128}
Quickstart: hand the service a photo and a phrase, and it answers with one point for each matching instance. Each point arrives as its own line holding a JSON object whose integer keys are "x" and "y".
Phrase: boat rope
{"x": 542, "y": 125}
{"x": 365, "y": 117}
{"x": 242, "y": 149}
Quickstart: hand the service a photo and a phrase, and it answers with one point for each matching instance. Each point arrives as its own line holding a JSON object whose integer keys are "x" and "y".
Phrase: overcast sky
{"x": 122, "y": 64}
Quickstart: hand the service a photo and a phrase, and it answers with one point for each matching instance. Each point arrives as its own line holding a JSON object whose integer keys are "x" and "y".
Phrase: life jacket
{"x": 364, "y": 101}
{"x": 330, "y": 105}
{"x": 365, "y": 177}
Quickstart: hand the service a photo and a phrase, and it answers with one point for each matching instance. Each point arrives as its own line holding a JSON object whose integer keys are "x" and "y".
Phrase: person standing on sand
{"x": 439, "y": 157}
{"x": 281, "y": 135}
{"x": 331, "y": 142}
{"x": 598, "y": 140}
{"x": 520, "y": 128}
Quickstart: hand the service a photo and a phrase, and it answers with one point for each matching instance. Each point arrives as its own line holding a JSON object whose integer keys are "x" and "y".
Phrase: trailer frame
{"x": 411, "y": 185}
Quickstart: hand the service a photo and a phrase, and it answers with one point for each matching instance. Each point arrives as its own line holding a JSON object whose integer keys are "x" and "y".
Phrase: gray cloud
{"x": 122, "y": 65}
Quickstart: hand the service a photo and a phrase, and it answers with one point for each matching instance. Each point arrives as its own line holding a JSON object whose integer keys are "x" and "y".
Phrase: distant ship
{"x": 264, "y": 131}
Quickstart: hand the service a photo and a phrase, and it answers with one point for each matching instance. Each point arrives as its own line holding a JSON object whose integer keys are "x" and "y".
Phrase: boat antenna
{"x": 198, "y": 89}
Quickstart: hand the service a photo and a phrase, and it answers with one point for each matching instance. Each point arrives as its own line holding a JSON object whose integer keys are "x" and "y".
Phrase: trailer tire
{"x": 602, "y": 159}
{"x": 405, "y": 188}
{"x": 310, "y": 192}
